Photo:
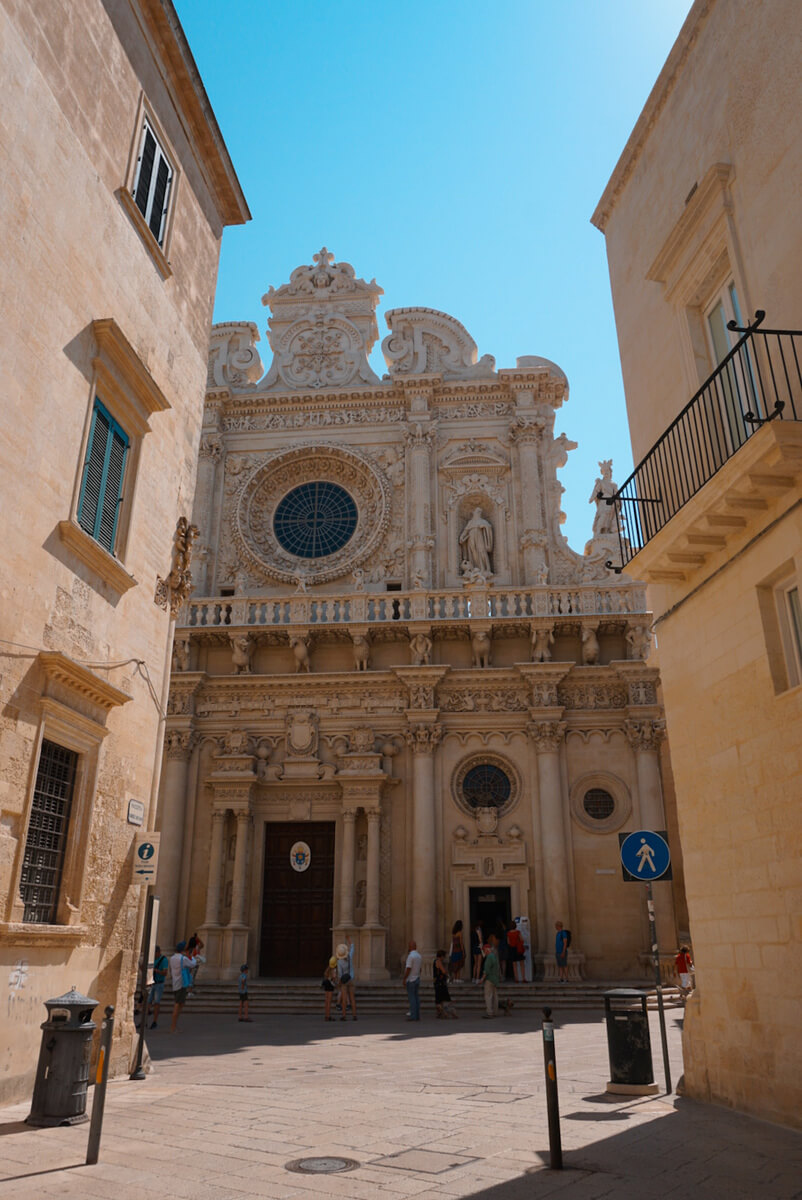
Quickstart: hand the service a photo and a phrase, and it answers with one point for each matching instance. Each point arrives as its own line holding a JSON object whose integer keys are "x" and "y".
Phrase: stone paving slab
{"x": 450, "y": 1110}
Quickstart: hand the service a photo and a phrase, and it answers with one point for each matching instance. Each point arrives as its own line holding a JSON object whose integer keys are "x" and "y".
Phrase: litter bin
{"x": 62, "y": 1074}
{"x": 628, "y": 1043}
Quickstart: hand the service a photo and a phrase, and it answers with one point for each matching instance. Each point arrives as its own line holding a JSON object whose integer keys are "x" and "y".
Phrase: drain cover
{"x": 321, "y": 1166}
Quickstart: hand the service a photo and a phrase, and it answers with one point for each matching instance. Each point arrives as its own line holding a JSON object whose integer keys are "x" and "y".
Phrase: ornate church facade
{"x": 399, "y": 698}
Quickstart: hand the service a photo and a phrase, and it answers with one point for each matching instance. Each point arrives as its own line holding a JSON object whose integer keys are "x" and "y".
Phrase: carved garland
{"x": 264, "y": 488}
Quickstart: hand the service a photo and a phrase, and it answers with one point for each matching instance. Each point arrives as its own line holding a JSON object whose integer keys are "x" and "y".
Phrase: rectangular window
{"x": 47, "y": 833}
{"x": 152, "y": 180}
{"x": 790, "y": 613}
{"x": 102, "y": 483}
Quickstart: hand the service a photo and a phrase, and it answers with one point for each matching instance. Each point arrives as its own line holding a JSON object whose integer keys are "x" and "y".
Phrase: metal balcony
{"x": 759, "y": 381}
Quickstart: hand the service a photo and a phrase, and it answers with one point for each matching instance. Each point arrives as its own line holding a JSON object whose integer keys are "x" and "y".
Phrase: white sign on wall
{"x": 146, "y": 857}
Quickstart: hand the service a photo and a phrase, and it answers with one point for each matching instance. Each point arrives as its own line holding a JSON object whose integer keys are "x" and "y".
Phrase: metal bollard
{"x": 552, "y": 1099}
{"x": 101, "y": 1078}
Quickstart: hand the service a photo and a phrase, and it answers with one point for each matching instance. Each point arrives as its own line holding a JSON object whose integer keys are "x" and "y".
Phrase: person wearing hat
{"x": 181, "y": 966}
{"x": 345, "y": 975}
{"x": 328, "y": 985}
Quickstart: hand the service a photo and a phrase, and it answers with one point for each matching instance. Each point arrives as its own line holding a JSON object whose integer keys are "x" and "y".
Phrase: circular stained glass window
{"x": 486, "y": 786}
{"x": 598, "y": 804}
{"x": 315, "y": 519}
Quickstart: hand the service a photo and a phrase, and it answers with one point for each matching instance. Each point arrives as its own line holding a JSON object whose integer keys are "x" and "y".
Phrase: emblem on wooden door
{"x": 300, "y": 856}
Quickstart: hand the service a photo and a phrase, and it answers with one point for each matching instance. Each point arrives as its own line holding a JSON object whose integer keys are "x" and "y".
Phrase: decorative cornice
{"x": 117, "y": 358}
{"x": 59, "y": 669}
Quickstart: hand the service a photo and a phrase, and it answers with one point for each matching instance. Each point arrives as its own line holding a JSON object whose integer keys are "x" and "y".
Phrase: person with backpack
{"x": 561, "y": 944}
{"x": 181, "y": 966}
{"x": 161, "y": 965}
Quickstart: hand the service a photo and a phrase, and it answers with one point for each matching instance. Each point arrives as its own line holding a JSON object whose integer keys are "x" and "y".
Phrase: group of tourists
{"x": 183, "y": 968}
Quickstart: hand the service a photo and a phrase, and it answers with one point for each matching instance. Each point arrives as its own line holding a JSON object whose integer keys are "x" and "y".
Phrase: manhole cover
{"x": 321, "y": 1166}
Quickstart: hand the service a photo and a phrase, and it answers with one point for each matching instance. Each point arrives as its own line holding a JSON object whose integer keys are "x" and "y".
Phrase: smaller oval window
{"x": 598, "y": 804}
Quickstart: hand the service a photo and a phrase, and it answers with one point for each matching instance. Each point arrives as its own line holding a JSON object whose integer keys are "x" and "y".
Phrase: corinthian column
{"x": 525, "y": 433}
{"x": 347, "y": 858}
{"x": 239, "y": 886}
{"x": 178, "y": 745}
{"x": 373, "y": 864}
{"x": 419, "y": 438}
{"x": 645, "y": 737}
{"x": 548, "y": 738}
{"x": 424, "y": 740}
{"x": 215, "y": 868}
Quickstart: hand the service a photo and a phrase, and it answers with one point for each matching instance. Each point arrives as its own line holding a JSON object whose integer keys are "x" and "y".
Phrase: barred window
{"x": 598, "y": 804}
{"x": 47, "y": 833}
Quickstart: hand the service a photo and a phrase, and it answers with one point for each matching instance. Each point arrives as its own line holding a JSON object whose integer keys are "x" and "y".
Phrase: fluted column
{"x": 239, "y": 886}
{"x": 645, "y": 737}
{"x": 525, "y": 432}
{"x": 178, "y": 745}
{"x": 215, "y": 868}
{"x": 347, "y": 859}
{"x": 373, "y": 867}
{"x": 424, "y": 740}
{"x": 548, "y": 738}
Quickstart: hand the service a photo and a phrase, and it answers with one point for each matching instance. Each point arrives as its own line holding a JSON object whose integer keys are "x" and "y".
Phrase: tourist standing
{"x": 242, "y": 991}
{"x": 515, "y": 952}
{"x": 456, "y": 956}
{"x": 411, "y": 982}
{"x": 181, "y": 977}
{"x": 161, "y": 965}
{"x": 442, "y": 996}
{"x": 477, "y": 954}
{"x": 328, "y": 985}
{"x": 684, "y": 965}
{"x": 561, "y": 944}
{"x": 345, "y": 975}
{"x": 492, "y": 978}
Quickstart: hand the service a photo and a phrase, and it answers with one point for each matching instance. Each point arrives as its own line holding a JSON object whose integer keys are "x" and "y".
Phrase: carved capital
{"x": 645, "y": 735}
{"x": 349, "y": 816}
{"x": 178, "y": 743}
{"x": 547, "y": 735}
{"x": 424, "y": 739}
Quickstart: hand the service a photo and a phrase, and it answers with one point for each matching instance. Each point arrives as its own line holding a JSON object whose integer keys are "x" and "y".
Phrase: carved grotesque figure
{"x": 476, "y": 540}
{"x": 542, "y": 640}
{"x": 241, "y": 653}
{"x": 361, "y": 651}
{"x": 300, "y": 650}
{"x": 480, "y": 649}
{"x": 638, "y": 640}
{"x": 181, "y": 654}
{"x": 590, "y": 645}
{"x": 420, "y": 648}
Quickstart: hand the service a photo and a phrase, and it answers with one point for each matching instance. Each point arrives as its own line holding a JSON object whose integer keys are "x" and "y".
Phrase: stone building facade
{"x": 399, "y": 698}
{"x": 701, "y": 222}
{"x": 115, "y": 187}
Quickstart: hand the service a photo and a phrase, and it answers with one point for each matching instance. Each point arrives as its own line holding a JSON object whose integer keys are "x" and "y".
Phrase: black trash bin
{"x": 628, "y": 1042}
{"x": 62, "y": 1074}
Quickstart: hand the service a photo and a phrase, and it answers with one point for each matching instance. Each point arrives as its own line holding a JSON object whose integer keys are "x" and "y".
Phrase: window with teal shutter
{"x": 102, "y": 483}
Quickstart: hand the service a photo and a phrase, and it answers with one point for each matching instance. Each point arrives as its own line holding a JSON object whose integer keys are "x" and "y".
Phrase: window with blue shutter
{"x": 152, "y": 180}
{"x": 103, "y": 476}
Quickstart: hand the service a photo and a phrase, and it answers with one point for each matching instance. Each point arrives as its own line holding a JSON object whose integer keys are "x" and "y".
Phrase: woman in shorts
{"x": 329, "y": 985}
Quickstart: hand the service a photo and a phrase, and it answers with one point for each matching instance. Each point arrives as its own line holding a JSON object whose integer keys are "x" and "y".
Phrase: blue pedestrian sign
{"x": 645, "y": 855}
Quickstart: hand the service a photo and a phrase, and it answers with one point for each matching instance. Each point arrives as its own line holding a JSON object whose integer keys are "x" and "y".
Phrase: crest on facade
{"x": 322, "y": 327}
{"x": 301, "y": 733}
{"x": 300, "y": 856}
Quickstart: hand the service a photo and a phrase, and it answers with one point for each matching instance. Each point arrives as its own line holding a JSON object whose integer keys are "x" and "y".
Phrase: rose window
{"x": 315, "y": 519}
{"x": 486, "y": 786}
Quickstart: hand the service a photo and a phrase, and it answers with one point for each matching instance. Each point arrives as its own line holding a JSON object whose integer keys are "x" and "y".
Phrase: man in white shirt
{"x": 179, "y": 964}
{"x": 411, "y": 981}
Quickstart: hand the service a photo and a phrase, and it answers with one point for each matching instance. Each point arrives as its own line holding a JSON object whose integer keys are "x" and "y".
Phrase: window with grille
{"x": 102, "y": 483}
{"x": 47, "y": 833}
{"x": 152, "y": 180}
{"x": 598, "y": 804}
{"x": 486, "y": 786}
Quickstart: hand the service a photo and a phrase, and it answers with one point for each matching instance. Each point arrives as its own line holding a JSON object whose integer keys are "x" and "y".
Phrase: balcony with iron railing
{"x": 758, "y": 383}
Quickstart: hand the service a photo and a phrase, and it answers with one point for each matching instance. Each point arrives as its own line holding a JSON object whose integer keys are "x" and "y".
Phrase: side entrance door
{"x": 297, "y": 906}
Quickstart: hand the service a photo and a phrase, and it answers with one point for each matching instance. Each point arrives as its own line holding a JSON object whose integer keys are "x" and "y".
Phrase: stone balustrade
{"x": 463, "y": 604}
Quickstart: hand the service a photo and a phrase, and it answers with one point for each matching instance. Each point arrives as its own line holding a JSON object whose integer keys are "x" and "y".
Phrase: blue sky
{"x": 453, "y": 151}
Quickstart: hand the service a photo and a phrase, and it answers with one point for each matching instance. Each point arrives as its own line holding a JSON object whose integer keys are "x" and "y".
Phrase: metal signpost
{"x": 645, "y": 856}
{"x": 147, "y": 956}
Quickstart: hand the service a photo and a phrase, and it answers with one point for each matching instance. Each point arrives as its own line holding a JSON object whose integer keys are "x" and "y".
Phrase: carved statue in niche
{"x": 638, "y": 641}
{"x": 477, "y": 542}
{"x": 241, "y": 653}
{"x": 420, "y": 648}
{"x": 541, "y": 575}
{"x": 300, "y": 649}
{"x": 181, "y": 654}
{"x": 606, "y": 519}
{"x": 590, "y": 645}
{"x": 480, "y": 649}
{"x": 542, "y": 640}
{"x": 359, "y": 579}
{"x": 361, "y": 651}
{"x": 362, "y": 847}
{"x": 361, "y": 889}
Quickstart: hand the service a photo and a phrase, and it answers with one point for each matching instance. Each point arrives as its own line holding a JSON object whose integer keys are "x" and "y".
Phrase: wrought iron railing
{"x": 760, "y": 380}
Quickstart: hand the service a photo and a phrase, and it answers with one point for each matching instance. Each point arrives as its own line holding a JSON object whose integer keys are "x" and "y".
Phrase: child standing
{"x": 328, "y": 985}
{"x": 242, "y": 989}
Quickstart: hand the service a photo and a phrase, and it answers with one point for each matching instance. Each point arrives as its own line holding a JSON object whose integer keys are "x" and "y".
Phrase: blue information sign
{"x": 645, "y": 855}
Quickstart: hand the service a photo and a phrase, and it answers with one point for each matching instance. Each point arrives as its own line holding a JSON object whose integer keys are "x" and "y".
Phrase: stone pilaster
{"x": 644, "y": 736}
{"x": 177, "y": 749}
{"x": 420, "y": 436}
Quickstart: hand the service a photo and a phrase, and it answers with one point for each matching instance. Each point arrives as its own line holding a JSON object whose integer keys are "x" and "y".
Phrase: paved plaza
{"x": 443, "y": 1109}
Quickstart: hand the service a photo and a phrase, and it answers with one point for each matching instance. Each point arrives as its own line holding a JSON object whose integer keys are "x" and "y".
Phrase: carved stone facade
{"x": 437, "y": 684}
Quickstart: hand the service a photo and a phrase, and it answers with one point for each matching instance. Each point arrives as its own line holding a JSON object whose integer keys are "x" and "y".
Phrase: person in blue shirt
{"x": 561, "y": 944}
